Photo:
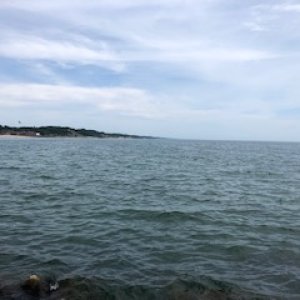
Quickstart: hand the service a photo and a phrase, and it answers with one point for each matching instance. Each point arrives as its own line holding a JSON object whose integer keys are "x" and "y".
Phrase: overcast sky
{"x": 200, "y": 69}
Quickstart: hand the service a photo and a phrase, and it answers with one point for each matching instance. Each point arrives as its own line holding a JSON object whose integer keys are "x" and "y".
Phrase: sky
{"x": 193, "y": 69}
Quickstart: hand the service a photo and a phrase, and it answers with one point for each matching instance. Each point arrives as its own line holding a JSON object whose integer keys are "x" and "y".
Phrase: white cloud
{"x": 254, "y": 26}
{"x": 44, "y": 5}
{"x": 120, "y": 100}
{"x": 26, "y": 47}
{"x": 172, "y": 32}
{"x": 208, "y": 54}
{"x": 287, "y": 7}
{"x": 201, "y": 59}
{"x": 130, "y": 101}
{"x": 81, "y": 51}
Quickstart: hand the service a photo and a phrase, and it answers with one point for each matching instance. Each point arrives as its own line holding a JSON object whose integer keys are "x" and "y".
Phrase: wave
{"x": 162, "y": 216}
{"x": 80, "y": 288}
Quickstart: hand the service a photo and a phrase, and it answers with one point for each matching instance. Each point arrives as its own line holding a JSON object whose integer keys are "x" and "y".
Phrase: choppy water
{"x": 151, "y": 219}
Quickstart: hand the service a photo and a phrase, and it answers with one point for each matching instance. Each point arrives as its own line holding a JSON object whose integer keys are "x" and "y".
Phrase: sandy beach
{"x": 9, "y": 136}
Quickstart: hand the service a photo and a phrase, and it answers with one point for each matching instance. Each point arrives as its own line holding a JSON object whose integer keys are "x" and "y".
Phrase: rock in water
{"x": 53, "y": 285}
{"x": 32, "y": 285}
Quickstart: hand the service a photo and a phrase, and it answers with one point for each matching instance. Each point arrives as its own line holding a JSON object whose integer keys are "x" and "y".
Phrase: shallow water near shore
{"x": 150, "y": 219}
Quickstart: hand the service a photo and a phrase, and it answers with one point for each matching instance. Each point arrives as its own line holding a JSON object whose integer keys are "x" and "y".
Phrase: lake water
{"x": 150, "y": 219}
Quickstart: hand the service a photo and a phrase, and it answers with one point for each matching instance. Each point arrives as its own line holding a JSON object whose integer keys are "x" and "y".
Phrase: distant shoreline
{"x": 21, "y": 137}
{"x": 11, "y": 136}
{"x": 61, "y": 132}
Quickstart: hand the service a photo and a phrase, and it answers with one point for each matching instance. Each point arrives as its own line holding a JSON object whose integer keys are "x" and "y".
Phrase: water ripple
{"x": 151, "y": 219}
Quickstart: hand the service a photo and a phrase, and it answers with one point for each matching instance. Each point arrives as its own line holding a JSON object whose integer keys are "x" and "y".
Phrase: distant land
{"x": 58, "y": 131}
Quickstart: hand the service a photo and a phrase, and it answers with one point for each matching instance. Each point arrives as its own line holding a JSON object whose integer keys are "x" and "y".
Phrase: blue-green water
{"x": 151, "y": 219}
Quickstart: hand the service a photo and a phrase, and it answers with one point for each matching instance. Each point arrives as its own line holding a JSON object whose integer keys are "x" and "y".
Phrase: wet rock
{"x": 37, "y": 287}
{"x": 52, "y": 285}
{"x": 32, "y": 285}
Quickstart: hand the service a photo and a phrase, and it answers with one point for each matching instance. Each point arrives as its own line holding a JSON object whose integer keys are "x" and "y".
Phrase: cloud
{"x": 207, "y": 54}
{"x": 194, "y": 60}
{"x": 85, "y": 52}
{"x": 287, "y": 7}
{"x": 114, "y": 33}
{"x": 120, "y": 100}
{"x": 92, "y": 4}
{"x": 26, "y": 47}
{"x": 253, "y": 26}
{"x": 131, "y": 101}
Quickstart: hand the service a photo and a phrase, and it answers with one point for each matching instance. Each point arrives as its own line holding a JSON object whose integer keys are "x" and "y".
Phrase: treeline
{"x": 58, "y": 131}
